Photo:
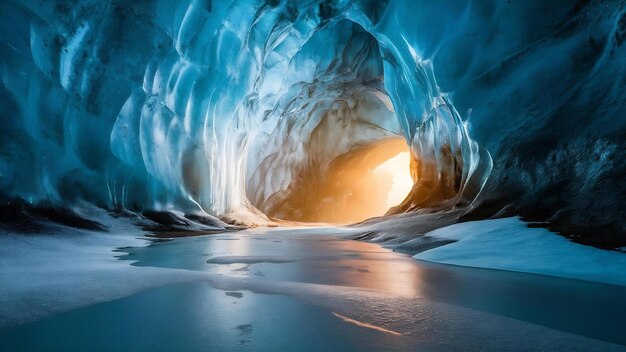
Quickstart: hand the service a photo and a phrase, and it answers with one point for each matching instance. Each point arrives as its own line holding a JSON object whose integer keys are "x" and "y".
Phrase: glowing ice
{"x": 214, "y": 105}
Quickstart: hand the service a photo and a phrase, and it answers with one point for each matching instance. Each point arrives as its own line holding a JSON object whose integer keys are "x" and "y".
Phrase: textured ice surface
{"x": 218, "y": 106}
{"x": 208, "y": 105}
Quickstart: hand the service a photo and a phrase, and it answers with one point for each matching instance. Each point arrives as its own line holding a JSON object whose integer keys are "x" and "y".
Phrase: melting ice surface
{"x": 275, "y": 288}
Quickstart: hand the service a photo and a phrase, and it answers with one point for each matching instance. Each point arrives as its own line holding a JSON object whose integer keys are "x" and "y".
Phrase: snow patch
{"x": 509, "y": 244}
{"x": 50, "y": 273}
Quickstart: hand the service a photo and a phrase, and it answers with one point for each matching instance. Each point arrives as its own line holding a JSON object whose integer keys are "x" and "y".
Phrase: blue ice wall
{"x": 210, "y": 105}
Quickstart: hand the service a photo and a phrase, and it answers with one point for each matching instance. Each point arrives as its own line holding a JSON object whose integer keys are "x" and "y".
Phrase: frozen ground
{"x": 253, "y": 289}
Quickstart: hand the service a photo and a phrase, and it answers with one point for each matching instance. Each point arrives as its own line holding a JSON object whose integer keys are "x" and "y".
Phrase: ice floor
{"x": 297, "y": 289}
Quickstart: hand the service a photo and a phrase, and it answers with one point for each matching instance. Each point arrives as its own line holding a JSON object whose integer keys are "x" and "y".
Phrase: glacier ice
{"x": 222, "y": 106}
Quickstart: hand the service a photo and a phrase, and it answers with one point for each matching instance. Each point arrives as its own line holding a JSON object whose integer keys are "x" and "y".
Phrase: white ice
{"x": 509, "y": 244}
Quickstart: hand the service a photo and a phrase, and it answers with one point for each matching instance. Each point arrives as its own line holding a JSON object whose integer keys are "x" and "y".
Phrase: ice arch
{"x": 288, "y": 67}
{"x": 183, "y": 105}
{"x": 231, "y": 106}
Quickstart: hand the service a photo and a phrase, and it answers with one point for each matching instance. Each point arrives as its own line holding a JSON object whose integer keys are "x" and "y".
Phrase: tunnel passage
{"x": 233, "y": 111}
{"x": 320, "y": 163}
{"x": 186, "y": 105}
{"x": 326, "y": 136}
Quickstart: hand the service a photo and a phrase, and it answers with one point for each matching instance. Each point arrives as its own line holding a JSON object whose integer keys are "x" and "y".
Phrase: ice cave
{"x": 307, "y": 175}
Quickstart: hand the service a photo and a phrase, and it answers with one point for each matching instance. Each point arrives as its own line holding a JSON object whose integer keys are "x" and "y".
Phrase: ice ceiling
{"x": 247, "y": 109}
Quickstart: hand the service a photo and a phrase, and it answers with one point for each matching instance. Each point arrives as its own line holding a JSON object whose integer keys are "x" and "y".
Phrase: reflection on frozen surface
{"x": 386, "y": 289}
{"x": 289, "y": 256}
{"x": 309, "y": 290}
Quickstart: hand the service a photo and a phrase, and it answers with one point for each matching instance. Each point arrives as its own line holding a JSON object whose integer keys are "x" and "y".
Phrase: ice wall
{"x": 213, "y": 105}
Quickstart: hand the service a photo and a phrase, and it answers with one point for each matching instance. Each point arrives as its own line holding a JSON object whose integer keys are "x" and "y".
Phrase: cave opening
{"x": 336, "y": 151}
{"x": 360, "y": 130}
{"x": 361, "y": 184}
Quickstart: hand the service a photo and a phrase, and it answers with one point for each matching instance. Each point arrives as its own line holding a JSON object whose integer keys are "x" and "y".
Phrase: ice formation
{"x": 231, "y": 107}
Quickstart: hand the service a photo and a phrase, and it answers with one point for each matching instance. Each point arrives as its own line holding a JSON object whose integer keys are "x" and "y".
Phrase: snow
{"x": 54, "y": 272}
{"x": 509, "y": 244}
{"x": 65, "y": 268}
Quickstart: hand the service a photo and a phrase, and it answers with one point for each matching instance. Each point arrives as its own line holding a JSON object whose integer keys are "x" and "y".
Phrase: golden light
{"x": 398, "y": 168}
{"x": 356, "y": 186}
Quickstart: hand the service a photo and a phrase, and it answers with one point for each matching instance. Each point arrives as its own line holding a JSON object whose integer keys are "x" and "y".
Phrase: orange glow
{"x": 398, "y": 169}
{"x": 356, "y": 186}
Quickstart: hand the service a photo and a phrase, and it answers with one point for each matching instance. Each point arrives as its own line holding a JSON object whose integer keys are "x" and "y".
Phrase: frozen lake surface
{"x": 309, "y": 289}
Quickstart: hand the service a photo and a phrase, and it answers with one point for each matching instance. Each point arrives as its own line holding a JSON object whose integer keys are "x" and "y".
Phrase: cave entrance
{"x": 361, "y": 184}
{"x": 333, "y": 148}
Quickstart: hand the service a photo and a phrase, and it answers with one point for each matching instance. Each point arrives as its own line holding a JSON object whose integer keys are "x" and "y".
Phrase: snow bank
{"x": 49, "y": 273}
{"x": 508, "y": 244}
